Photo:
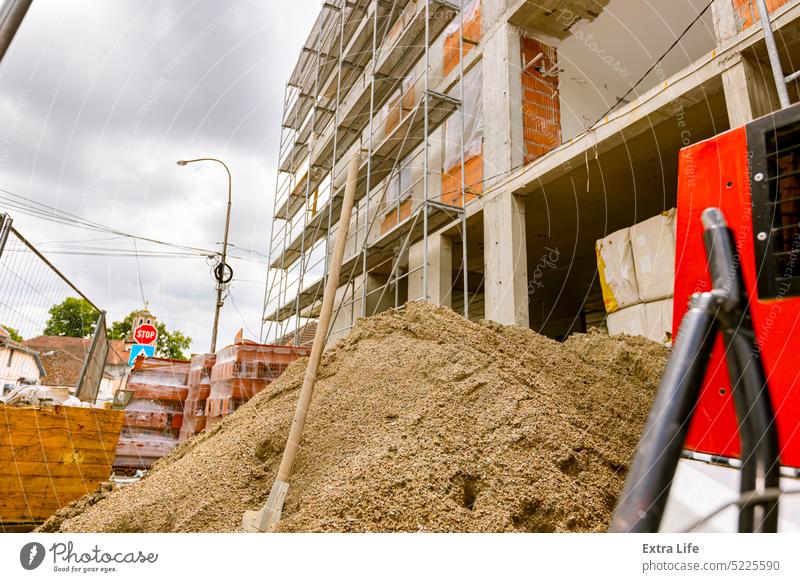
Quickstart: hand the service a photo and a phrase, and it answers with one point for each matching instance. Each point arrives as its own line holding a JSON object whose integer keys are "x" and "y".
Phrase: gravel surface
{"x": 421, "y": 421}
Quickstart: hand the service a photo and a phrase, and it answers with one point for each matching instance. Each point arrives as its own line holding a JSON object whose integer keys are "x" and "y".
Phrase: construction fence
{"x": 37, "y": 300}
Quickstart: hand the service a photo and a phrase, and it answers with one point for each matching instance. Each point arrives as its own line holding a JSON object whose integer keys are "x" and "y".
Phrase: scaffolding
{"x": 364, "y": 80}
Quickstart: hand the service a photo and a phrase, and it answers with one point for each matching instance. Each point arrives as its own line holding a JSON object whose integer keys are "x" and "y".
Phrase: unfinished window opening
{"x": 541, "y": 108}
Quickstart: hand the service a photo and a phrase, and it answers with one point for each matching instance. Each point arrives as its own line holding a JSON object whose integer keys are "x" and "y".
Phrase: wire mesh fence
{"x": 38, "y": 306}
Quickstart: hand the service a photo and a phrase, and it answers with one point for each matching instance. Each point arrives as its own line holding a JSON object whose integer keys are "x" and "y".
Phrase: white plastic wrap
{"x": 41, "y": 396}
{"x": 658, "y": 320}
{"x": 617, "y": 271}
{"x": 653, "y": 245}
{"x": 472, "y": 110}
{"x": 628, "y": 321}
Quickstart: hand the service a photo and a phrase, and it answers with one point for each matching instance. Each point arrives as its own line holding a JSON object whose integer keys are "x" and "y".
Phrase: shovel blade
{"x": 267, "y": 518}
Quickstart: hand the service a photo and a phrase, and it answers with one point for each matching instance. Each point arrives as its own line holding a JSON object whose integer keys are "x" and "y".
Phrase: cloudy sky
{"x": 99, "y": 98}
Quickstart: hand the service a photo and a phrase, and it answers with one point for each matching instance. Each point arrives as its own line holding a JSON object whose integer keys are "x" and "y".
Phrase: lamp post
{"x": 220, "y": 273}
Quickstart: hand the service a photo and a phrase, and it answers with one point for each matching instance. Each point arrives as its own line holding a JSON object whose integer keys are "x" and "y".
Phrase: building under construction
{"x": 499, "y": 140}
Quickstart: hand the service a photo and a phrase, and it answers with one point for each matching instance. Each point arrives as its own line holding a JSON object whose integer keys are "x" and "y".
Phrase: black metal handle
{"x": 724, "y": 309}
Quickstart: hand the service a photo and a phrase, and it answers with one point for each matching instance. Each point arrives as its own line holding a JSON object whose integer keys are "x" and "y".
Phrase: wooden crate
{"x": 51, "y": 456}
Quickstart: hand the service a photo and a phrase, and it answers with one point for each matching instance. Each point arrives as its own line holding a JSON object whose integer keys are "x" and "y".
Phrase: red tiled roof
{"x": 78, "y": 347}
{"x": 117, "y": 354}
{"x": 62, "y": 367}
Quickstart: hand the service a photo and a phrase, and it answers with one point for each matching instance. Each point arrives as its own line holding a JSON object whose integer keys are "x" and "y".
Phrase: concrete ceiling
{"x": 623, "y": 186}
{"x": 554, "y": 18}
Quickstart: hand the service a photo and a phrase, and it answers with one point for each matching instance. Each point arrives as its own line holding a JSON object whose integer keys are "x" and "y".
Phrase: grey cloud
{"x": 114, "y": 93}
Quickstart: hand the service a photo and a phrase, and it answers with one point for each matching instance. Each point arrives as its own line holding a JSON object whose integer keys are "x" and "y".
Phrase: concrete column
{"x": 505, "y": 260}
{"x": 502, "y": 103}
{"x": 724, "y": 19}
{"x": 749, "y": 87}
{"x": 440, "y": 270}
{"x": 749, "y": 90}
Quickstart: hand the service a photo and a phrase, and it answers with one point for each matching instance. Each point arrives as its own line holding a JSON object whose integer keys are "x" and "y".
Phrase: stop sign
{"x": 145, "y": 334}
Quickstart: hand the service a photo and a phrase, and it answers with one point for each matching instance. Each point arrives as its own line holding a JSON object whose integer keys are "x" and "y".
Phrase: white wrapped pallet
{"x": 658, "y": 320}
{"x": 628, "y": 321}
{"x": 617, "y": 272}
{"x": 653, "y": 246}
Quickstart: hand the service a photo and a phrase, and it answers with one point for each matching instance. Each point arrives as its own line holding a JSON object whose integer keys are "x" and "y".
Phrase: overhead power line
{"x": 44, "y": 211}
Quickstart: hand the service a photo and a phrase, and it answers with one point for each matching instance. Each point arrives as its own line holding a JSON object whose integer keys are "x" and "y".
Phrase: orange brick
{"x": 747, "y": 13}
{"x": 473, "y": 178}
{"x": 472, "y": 32}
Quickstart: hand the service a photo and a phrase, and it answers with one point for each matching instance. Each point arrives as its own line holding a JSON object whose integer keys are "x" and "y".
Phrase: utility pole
{"x": 222, "y": 272}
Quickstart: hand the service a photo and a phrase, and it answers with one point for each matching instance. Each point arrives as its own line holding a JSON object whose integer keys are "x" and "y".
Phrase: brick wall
{"x": 747, "y": 13}
{"x": 473, "y": 178}
{"x": 472, "y": 35}
{"x": 541, "y": 110}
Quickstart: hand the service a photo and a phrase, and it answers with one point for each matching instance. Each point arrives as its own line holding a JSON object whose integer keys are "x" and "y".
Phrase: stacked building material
{"x": 199, "y": 387}
{"x": 243, "y": 370}
{"x": 637, "y": 268}
{"x": 154, "y": 414}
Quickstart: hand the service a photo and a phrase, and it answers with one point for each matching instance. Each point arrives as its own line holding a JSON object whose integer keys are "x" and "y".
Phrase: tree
{"x": 72, "y": 317}
{"x": 170, "y": 344}
{"x": 12, "y": 333}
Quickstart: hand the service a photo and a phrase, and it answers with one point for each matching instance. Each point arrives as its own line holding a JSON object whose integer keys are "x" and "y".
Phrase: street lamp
{"x": 223, "y": 273}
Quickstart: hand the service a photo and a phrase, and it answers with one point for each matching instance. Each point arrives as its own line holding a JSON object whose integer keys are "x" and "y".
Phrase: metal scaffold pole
{"x": 426, "y": 138}
{"x": 272, "y": 276}
{"x": 307, "y": 194}
{"x": 464, "y": 270}
{"x": 774, "y": 57}
{"x": 369, "y": 169}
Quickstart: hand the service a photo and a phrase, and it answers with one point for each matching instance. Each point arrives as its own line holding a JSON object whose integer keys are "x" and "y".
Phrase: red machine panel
{"x": 717, "y": 172}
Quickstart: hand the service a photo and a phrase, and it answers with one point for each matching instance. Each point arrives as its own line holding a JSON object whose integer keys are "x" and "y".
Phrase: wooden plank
{"x": 58, "y": 439}
{"x": 50, "y": 457}
{"x": 75, "y": 418}
{"x": 11, "y": 469}
{"x": 66, "y": 456}
{"x": 40, "y": 504}
{"x": 31, "y": 417}
{"x": 57, "y": 487}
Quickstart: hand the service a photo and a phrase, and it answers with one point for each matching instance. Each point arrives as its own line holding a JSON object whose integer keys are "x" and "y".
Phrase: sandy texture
{"x": 421, "y": 421}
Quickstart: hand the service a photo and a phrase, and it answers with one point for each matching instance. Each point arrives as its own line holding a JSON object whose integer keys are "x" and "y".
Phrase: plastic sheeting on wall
{"x": 472, "y": 112}
{"x": 398, "y": 195}
{"x": 472, "y": 35}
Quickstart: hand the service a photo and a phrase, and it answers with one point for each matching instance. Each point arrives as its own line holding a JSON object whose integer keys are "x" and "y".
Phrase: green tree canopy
{"x": 170, "y": 344}
{"x": 12, "y": 333}
{"x": 72, "y": 317}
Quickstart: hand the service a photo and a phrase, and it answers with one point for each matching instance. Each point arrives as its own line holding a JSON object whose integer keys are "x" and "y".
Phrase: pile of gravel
{"x": 421, "y": 421}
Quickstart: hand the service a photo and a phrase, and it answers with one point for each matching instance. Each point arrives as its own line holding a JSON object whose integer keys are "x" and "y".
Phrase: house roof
{"x": 63, "y": 368}
{"x": 79, "y": 347}
{"x": 63, "y": 357}
{"x": 16, "y": 346}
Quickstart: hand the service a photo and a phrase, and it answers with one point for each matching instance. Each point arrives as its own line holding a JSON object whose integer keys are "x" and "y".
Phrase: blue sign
{"x": 141, "y": 350}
